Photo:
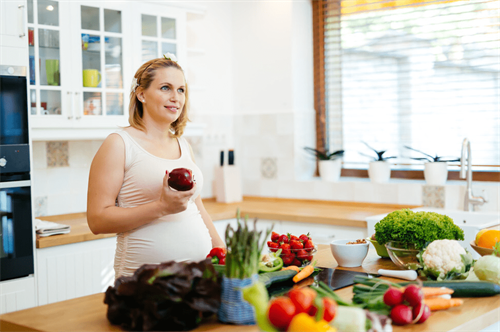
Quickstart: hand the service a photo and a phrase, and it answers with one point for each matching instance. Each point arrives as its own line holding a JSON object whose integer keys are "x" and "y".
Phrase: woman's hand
{"x": 172, "y": 201}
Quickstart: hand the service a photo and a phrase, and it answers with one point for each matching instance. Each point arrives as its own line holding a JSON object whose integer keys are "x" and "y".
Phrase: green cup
{"x": 52, "y": 71}
{"x": 91, "y": 78}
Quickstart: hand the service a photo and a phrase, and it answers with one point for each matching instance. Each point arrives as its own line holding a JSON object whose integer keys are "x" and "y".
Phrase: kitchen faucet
{"x": 470, "y": 199}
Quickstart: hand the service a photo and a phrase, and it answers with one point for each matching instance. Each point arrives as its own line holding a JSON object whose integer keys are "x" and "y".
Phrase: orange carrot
{"x": 436, "y": 291}
{"x": 291, "y": 267}
{"x": 304, "y": 273}
{"x": 441, "y": 304}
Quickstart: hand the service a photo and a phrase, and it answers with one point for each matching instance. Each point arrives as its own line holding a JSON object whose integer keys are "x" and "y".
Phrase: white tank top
{"x": 180, "y": 236}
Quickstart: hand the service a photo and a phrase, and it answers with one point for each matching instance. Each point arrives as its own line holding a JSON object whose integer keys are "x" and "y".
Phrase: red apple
{"x": 181, "y": 179}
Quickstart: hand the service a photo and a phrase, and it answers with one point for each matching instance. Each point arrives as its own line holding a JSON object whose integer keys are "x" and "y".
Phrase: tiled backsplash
{"x": 273, "y": 163}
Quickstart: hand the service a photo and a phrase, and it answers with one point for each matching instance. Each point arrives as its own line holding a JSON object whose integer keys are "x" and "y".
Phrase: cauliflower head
{"x": 444, "y": 260}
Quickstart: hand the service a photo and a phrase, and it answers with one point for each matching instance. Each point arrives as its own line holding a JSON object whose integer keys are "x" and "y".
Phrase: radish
{"x": 393, "y": 296}
{"x": 425, "y": 314}
{"x": 413, "y": 295}
{"x": 401, "y": 314}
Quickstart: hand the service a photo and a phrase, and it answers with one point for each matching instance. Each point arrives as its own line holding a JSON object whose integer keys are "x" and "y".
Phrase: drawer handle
{"x": 22, "y": 24}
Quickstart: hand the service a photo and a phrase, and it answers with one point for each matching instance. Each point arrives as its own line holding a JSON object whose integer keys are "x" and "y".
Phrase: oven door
{"x": 16, "y": 238}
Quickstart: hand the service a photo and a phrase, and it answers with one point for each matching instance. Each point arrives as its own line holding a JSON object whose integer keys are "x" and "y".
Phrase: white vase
{"x": 436, "y": 173}
{"x": 379, "y": 171}
{"x": 329, "y": 170}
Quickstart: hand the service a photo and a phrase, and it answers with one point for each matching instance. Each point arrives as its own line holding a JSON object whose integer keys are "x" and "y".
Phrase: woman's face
{"x": 164, "y": 99}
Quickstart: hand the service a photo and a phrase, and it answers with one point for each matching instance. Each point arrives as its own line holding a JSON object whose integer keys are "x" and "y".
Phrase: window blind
{"x": 416, "y": 73}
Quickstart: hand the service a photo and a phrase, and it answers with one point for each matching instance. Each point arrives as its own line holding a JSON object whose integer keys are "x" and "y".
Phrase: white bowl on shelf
{"x": 349, "y": 255}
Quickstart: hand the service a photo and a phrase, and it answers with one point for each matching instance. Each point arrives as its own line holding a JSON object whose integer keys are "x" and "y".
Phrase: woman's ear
{"x": 140, "y": 95}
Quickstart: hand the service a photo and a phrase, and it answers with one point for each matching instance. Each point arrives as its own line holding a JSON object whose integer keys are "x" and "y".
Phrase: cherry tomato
{"x": 281, "y": 311}
{"x": 296, "y": 245}
{"x": 275, "y": 236}
{"x": 222, "y": 261}
{"x": 308, "y": 245}
{"x": 273, "y": 246}
{"x": 304, "y": 237}
{"x": 302, "y": 298}
{"x": 330, "y": 307}
{"x": 283, "y": 238}
{"x": 218, "y": 252}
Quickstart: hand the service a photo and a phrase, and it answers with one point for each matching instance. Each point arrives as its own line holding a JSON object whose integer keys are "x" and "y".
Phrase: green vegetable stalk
{"x": 418, "y": 228}
{"x": 243, "y": 249}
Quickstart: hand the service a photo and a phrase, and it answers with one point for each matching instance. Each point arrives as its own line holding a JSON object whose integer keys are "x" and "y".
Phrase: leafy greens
{"x": 169, "y": 296}
{"x": 418, "y": 228}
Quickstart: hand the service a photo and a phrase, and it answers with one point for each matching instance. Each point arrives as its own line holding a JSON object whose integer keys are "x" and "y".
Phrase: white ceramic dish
{"x": 348, "y": 255}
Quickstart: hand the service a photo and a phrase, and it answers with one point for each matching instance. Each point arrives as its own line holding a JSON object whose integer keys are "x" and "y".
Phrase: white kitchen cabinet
{"x": 73, "y": 270}
{"x": 17, "y": 294}
{"x": 13, "y": 32}
{"x": 79, "y": 57}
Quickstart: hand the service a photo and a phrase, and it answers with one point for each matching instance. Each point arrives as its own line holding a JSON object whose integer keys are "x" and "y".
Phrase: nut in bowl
{"x": 404, "y": 255}
{"x": 349, "y": 255}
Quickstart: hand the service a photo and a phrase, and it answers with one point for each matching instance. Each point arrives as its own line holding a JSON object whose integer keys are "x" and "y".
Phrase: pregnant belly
{"x": 164, "y": 241}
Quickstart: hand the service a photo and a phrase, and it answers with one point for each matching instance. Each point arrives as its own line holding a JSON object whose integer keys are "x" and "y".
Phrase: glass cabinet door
{"x": 158, "y": 36}
{"x": 101, "y": 50}
{"x": 44, "y": 57}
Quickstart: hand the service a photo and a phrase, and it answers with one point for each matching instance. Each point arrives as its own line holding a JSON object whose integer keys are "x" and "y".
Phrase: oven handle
{"x": 15, "y": 184}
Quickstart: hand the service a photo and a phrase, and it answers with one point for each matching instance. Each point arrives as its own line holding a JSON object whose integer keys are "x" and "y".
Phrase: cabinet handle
{"x": 70, "y": 114}
{"x": 78, "y": 110}
{"x": 22, "y": 25}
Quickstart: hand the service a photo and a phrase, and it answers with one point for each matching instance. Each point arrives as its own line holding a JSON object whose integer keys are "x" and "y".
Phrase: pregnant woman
{"x": 128, "y": 191}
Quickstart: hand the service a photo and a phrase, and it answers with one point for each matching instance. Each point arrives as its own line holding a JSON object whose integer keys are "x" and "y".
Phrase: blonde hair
{"x": 145, "y": 75}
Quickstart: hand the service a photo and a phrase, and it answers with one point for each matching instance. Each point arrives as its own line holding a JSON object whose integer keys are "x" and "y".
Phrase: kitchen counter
{"x": 88, "y": 313}
{"x": 319, "y": 212}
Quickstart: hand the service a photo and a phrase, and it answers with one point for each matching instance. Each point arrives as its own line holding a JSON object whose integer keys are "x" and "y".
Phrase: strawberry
{"x": 308, "y": 245}
{"x": 273, "y": 246}
{"x": 275, "y": 236}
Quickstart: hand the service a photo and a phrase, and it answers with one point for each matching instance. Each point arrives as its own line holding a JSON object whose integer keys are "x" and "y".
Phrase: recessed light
{"x": 50, "y": 8}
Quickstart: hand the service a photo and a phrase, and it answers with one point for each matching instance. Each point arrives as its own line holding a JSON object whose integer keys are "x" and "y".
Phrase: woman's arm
{"x": 216, "y": 239}
{"x": 105, "y": 181}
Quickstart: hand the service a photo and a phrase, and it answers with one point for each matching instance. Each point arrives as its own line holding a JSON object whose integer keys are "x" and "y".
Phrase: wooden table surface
{"x": 89, "y": 313}
{"x": 320, "y": 212}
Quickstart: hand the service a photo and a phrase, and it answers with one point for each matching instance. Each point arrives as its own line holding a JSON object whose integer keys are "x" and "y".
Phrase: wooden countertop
{"x": 319, "y": 212}
{"x": 88, "y": 313}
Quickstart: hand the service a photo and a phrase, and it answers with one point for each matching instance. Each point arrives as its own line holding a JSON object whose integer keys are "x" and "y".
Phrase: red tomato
{"x": 308, "y": 245}
{"x": 296, "y": 262}
{"x": 330, "y": 307}
{"x": 283, "y": 238}
{"x": 293, "y": 237}
{"x": 281, "y": 311}
{"x": 218, "y": 252}
{"x": 304, "y": 237}
{"x": 273, "y": 246}
{"x": 296, "y": 244}
{"x": 222, "y": 261}
{"x": 302, "y": 298}
{"x": 302, "y": 254}
{"x": 275, "y": 236}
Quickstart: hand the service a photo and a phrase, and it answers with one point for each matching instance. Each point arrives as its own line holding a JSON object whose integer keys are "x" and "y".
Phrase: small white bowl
{"x": 349, "y": 255}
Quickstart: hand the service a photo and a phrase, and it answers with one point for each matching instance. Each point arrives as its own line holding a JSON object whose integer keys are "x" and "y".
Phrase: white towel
{"x": 47, "y": 228}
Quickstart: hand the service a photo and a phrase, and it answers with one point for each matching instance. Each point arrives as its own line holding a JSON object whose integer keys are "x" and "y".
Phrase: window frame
{"x": 319, "y": 7}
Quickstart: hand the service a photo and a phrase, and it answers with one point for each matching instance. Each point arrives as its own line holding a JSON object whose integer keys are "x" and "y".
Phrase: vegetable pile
{"x": 418, "y": 228}
{"x": 295, "y": 250}
{"x": 169, "y": 296}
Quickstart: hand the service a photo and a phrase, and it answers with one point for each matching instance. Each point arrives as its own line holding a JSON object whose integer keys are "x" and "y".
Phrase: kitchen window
{"x": 418, "y": 73}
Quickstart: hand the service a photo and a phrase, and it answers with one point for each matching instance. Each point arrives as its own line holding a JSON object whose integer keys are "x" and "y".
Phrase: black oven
{"x": 16, "y": 237}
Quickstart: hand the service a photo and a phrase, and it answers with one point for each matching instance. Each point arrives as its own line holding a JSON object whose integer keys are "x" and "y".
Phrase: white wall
{"x": 251, "y": 83}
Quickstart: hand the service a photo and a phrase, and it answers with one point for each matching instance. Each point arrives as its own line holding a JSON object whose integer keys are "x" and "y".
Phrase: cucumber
{"x": 465, "y": 288}
{"x": 269, "y": 278}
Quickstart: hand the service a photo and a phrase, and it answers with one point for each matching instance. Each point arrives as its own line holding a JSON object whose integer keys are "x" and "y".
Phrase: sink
{"x": 470, "y": 222}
